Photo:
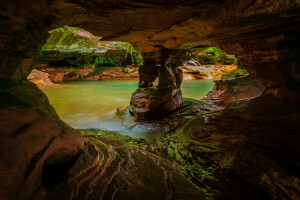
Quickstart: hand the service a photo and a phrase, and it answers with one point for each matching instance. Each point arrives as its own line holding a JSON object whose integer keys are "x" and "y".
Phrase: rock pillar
{"x": 152, "y": 102}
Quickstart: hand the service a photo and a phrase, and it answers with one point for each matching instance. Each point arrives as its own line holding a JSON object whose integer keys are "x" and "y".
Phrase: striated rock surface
{"x": 112, "y": 166}
{"x": 149, "y": 102}
{"x": 205, "y": 71}
{"x": 234, "y": 85}
{"x": 248, "y": 151}
{"x": 32, "y": 136}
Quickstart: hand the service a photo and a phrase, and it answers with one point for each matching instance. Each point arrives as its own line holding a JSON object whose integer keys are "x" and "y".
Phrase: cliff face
{"x": 263, "y": 35}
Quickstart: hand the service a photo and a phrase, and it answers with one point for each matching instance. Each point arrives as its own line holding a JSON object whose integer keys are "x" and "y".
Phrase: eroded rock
{"x": 41, "y": 79}
{"x": 233, "y": 86}
{"x": 248, "y": 151}
{"x": 113, "y": 166}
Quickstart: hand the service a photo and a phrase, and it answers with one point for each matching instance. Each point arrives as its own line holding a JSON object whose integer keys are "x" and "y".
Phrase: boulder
{"x": 233, "y": 86}
{"x": 40, "y": 78}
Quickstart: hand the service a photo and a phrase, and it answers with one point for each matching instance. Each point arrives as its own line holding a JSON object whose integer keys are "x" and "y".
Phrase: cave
{"x": 244, "y": 146}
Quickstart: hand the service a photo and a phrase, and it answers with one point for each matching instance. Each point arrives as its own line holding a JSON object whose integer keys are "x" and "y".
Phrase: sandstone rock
{"x": 31, "y": 134}
{"x": 246, "y": 152}
{"x": 147, "y": 75}
{"x": 153, "y": 103}
{"x": 128, "y": 69}
{"x": 41, "y": 79}
{"x": 205, "y": 71}
{"x": 233, "y": 86}
{"x": 113, "y": 166}
{"x": 58, "y": 75}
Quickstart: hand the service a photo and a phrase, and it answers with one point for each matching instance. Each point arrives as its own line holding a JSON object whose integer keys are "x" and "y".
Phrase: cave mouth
{"x": 93, "y": 80}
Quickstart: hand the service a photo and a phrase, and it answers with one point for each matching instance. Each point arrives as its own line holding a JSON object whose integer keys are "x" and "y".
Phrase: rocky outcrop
{"x": 112, "y": 166}
{"x": 32, "y": 136}
{"x": 40, "y": 78}
{"x": 163, "y": 123}
{"x": 233, "y": 86}
{"x": 205, "y": 71}
{"x": 58, "y": 75}
{"x": 248, "y": 151}
{"x": 149, "y": 102}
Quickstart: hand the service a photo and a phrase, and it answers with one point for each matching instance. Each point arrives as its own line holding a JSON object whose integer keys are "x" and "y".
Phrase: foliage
{"x": 212, "y": 55}
{"x": 106, "y": 61}
{"x": 138, "y": 58}
{"x": 75, "y": 42}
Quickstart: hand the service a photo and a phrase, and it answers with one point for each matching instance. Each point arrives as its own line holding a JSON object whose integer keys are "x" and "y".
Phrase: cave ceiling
{"x": 154, "y": 24}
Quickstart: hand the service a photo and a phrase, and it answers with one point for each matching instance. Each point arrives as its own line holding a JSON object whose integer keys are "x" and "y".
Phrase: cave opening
{"x": 89, "y": 81}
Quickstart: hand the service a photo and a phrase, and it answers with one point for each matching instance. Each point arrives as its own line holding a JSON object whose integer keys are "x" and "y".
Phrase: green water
{"x": 92, "y": 104}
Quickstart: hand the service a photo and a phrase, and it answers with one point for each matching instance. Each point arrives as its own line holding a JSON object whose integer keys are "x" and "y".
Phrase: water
{"x": 92, "y": 104}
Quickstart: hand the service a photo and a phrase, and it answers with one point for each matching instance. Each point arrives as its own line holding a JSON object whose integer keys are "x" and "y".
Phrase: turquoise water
{"x": 92, "y": 104}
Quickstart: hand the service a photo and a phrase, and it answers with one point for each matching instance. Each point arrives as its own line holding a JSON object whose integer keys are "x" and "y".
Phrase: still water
{"x": 92, "y": 104}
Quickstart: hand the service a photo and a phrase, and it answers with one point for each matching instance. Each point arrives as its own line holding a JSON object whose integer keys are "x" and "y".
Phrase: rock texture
{"x": 234, "y": 85}
{"x": 112, "y": 166}
{"x": 149, "y": 102}
{"x": 152, "y": 103}
{"x": 41, "y": 79}
{"x": 237, "y": 27}
{"x": 248, "y": 151}
{"x": 191, "y": 72}
{"x": 58, "y": 75}
{"x": 32, "y": 135}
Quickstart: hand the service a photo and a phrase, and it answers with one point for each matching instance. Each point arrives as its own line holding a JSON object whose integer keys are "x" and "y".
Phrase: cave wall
{"x": 263, "y": 34}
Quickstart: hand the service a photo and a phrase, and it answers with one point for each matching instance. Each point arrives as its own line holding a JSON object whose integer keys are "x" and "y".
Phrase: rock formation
{"x": 253, "y": 144}
{"x": 234, "y": 85}
{"x": 248, "y": 151}
{"x": 149, "y": 102}
{"x": 41, "y": 79}
{"x": 191, "y": 72}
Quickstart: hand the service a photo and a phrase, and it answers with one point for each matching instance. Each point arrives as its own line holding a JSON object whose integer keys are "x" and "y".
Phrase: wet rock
{"x": 248, "y": 151}
{"x": 233, "y": 86}
{"x": 147, "y": 103}
{"x": 147, "y": 75}
{"x": 115, "y": 166}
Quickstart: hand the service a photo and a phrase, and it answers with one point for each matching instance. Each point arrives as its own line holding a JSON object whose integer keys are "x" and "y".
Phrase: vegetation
{"x": 106, "y": 61}
{"x": 80, "y": 49}
{"x": 211, "y": 56}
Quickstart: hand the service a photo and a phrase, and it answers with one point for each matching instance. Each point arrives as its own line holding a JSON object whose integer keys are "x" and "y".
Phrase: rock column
{"x": 153, "y": 102}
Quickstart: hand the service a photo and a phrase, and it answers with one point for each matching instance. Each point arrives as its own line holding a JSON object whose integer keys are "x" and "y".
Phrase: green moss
{"x": 211, "y": 56}
{"x": 239, "y": 71}
{"x": 116, "y": 138}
